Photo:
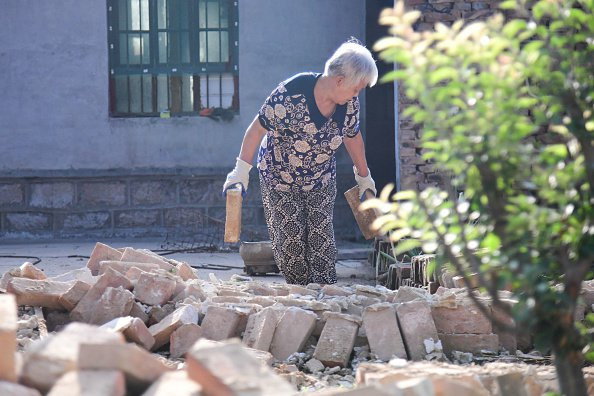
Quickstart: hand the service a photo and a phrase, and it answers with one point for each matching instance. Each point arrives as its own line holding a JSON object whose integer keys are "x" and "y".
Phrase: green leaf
{"x": 491, "y": 241}
{"x": 404, "y": 195}
{"x": 406, "y": 245}
{"x": 513, "y": 27}
{"x": 442, "y": 74}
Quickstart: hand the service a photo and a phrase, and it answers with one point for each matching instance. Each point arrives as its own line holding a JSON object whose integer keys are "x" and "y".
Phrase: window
{"x": 172, "y": 56}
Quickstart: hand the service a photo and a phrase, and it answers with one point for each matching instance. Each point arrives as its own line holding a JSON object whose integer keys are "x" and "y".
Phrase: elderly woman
{"x": 303, "y": 122}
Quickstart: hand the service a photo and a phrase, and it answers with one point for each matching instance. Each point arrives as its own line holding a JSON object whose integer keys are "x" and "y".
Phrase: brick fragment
{"x": 143, "y": 257}
{"x": 466, "y": 318}
{"x": 38, "y": 293}
{"x": 153, "y": 289}
{"x": 138, "y": 312}
{"x": 84, "y": 309}
{"x": 162, "y": 330}
{"x": 8, "y": 343}
{"x": 260, "y": 329}
{"x": 182, "y": 339}
{"x": 123, "y": 266}
{"x": 28, "y": 270}
{"x": 133, "y": 329}
{"x": 337, "y": 340}
{"x": 90, "y": 383}
{"x": 48, "y": 359}
{"x": 102, "y": 252}
{"x": 382, "y": 331}
{"x": 174, "y": 383}
{"x": 333, "y": 290}
{"x": 72, "y": 296}
{"x": 228, "y": 369}
{"x": 12, "y": 389}
{"x": 184, "y": 271}
{"x": 416, "y": 326}
{"x": 140, "y": 367}
{"x": 220, "y": 323}
{"x": 292, "y": 332}
{"x": 473, "y": 343}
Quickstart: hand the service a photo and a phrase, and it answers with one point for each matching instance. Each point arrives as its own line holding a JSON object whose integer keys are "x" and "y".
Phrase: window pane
{"x": 202, "y": 14}
{"x": 173, "y": 14}
{"x": 213, "y": 47}
{"x": 187, "y": 97}
{"x": 162, "y": 93}
{"x": 174, "y": 47}
{"x": 123, "y": 49}
{"x": 212, "y": 14}
{"x": 224, "y": 46}
{"x": 185, "y": 47}
{"x": 147, "y": 93}
{"x": 133, "y": 14}
{"x": 121, "y": 93}
{"x": 202, "y": 43}
{"x": 203, "y": 91}
{"x": 146, "y": 54}
{"x": 144, "y": 11}
{"x": 135, "y": 96}
{"x": 214, "y": 91}
{"x": 162, "y": 47}
{"x": 224, "y": 14}
{"x": 184, "y": 11}
{"x": 228, "y": 88}
{"x": 122, "y": 15}
{"x": 162, "y": 14}
{"x": 134, "y": 49}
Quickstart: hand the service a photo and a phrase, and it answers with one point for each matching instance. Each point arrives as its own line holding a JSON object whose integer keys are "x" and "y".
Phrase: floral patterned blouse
{"x": 297, "y": 153}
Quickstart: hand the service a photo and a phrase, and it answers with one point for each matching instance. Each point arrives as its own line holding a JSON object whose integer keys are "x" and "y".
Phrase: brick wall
{"x": 415, "y": 173}
{"x": 162, "y": 205}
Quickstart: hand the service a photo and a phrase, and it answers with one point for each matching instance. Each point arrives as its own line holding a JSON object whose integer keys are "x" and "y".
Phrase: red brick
{"x": 260, "y": 329}
{"x": 123, "y": 266}
{"x": 153, "y": 289}
{"x": 114, "y": 303}
{"x": 174, "y": 383}
{"x": 472, "y": 343}
{"x": 466, "y": 318}
{"x": 133, "y": 329}
{"x": 220, "y": 323}
{"x": 143, "y": 257}
{"x": 90, "y": 383}
{"x": 8, "y": 343}
{"x": 416, "y": 326}
{"x": 102, "y": 252}
{"x": 73, "y": 295}
{"x": 383, "y": 334}
{"x": 337, "y": 340}
{"x": 292, "y": 332}
{"x": 38, "y": 293}
{"x": 162, "y": 330}
{"x": 182, "y": 339}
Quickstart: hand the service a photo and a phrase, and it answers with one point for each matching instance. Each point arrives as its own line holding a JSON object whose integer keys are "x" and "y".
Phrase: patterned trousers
{"x": 302, "y": 233}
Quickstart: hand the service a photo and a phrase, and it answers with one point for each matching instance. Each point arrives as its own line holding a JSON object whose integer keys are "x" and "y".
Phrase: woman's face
{"x": 345, "y": 91}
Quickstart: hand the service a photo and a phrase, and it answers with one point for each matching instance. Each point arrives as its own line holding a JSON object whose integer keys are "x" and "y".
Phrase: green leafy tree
{"x": 506, "y": 108}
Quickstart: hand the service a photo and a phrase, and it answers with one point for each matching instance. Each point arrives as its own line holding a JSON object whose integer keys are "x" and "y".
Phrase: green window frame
{"x": 173, "y": 57}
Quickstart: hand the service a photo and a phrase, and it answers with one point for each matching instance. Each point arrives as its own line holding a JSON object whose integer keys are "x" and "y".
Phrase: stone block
{"x": 72, "y": 296}
{"x": 90, "y": 383}
{"x": 28, "y": 221}
{"x": 137, "y": 218}
{"x": 38, "y": 293}
{"x": 416, "y": 326}
{"x": 52, "y": 195}
{"x": 114, "y": 303}
{"x": 337, "y": 340}
{"x": 260, "y": 329}
{"x": 140, "y": 367}
{"x": 8, "y": 343}
{"x": 220, "y": 323}
{"x": 174, "y": 383}
{"x": 182, "y": 339}
{"x": 153, "y": 289}
{"x": 102, "y": 252}
{"x": 292, "y": 332}
{"x": 102, "y": 194}
{"x": 12, "y": 389}
{"x": 473, "y": 343}
{"x": 85, "y": 220}
{"x": 228, "y": 369}
{"x": 134, "y": 255}
{"x": 11, "y": 194}
{"x": 466, "y": 318}
{"x": 162, "y": 330}
{"x": 84, "y": 309}
{"x": 46, "y": 360}
{"x": 382, "y": 331}
{"x": 153, "y": 192}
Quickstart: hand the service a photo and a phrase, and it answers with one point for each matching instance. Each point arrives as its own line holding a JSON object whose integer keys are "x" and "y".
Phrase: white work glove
{"x": 239, "y": 175}
{"x": 364, "y": 183}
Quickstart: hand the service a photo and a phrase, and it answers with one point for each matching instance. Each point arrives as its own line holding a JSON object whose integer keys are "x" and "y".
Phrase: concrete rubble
{"x": 132, "y": 322}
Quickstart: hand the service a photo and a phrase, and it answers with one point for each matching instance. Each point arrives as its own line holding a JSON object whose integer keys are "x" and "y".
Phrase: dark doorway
{"x": 380, "y": 140}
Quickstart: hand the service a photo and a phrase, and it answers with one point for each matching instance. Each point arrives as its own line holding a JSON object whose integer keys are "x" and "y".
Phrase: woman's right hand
{"x": 239, "y": 175}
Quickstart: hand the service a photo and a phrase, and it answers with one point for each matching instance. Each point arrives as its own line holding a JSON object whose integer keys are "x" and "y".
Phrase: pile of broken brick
{"x": 133, "y": 322}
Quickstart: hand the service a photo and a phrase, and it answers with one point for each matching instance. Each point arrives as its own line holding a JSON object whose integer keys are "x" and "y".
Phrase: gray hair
{"x": 354, "y": 62}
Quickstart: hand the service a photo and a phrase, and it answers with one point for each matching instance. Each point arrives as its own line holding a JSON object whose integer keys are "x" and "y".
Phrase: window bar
{"x": 141, "y": 38}
{"x": 206, "y": 57}
{"x": 220, "y": 89}
{"x": 196, "y": 92}
{"x": 220, "y": 58}
{"x": 154, "y": 92}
